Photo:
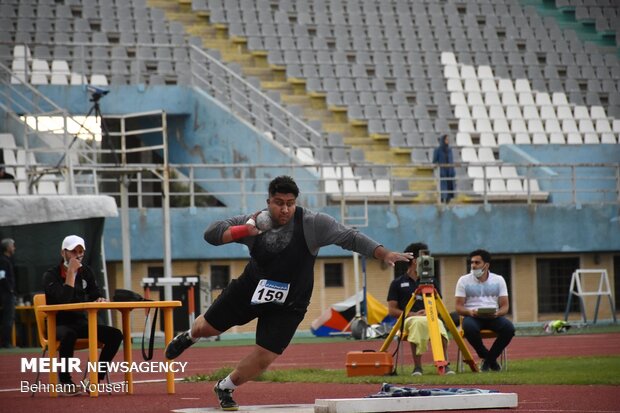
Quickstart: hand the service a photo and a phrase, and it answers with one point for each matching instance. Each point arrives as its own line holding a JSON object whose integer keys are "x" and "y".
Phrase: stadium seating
{"x": 489, "y": 73}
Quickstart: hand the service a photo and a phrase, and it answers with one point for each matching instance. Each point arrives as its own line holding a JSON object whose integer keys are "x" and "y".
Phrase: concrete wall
{"x": 523, "y": 299}
{"x": 454, "y": 230}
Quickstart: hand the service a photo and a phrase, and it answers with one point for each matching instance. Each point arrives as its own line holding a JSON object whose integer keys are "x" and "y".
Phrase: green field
{"x": 556, "y": 370}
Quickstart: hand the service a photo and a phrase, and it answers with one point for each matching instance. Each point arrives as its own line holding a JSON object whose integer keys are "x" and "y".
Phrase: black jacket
{"x": 7, "y": 284}
{"x": 56, "y": 292}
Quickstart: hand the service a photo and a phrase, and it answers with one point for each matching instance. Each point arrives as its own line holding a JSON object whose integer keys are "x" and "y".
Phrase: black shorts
{"x": 276, "y": 323}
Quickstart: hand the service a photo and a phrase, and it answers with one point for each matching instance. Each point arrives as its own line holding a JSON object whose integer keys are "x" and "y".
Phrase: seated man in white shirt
{"x": 482, "y": 298}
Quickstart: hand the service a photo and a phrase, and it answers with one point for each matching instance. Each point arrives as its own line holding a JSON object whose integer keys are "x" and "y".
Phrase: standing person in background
{"x": 442, "y": 155}
{"x": 7, "y": 291}
{"x": 402, "y": 287}
{"x": 277, "y": 282}
{"x": 482, "y": 289}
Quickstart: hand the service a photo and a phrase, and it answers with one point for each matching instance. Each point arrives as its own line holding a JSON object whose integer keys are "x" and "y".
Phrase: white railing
{"x": 190, "y": 184}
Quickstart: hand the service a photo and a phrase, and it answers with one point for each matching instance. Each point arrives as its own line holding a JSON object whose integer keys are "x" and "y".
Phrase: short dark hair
{"x": 484, "y": 254}
{"x": 284, "y": 185}
{"x": 415, "y": 248}
{"x": 401, "y": 267}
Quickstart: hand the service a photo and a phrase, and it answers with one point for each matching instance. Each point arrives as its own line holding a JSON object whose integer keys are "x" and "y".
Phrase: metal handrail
{"x": 293, "y": 126}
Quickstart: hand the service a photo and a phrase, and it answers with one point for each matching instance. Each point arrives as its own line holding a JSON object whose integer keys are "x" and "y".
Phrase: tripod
{"x": 433, "y": 305}
{"x": 105, "y": 133}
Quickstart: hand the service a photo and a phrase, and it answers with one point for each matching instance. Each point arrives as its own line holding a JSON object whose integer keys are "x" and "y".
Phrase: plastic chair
{"x": 484, "y": 334}
{"x": 41, "y": 318}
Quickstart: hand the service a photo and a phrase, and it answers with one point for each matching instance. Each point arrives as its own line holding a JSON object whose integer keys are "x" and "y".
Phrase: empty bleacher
{"x": 489, "y": 73}
{"x": 92, "y": 42}
{"x": 29, "y": 178}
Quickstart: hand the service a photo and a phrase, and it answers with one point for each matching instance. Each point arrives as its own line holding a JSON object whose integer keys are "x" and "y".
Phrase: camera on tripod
{"x": 425, "y": 267}
{"x": 96, "y": 92}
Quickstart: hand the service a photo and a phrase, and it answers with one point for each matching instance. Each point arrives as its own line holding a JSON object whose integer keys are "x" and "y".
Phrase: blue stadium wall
{"x": 203, "y": 131}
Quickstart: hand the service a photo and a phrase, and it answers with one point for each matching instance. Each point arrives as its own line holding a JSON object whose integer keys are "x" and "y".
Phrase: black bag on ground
{"x": 128, "y": 295}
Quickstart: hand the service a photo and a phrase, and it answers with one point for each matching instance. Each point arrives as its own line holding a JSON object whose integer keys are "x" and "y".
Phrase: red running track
{"x": 152, "y": 397}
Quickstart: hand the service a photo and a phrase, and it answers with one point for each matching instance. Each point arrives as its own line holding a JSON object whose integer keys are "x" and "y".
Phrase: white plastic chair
{"x": 479, "y": 112}
{"x": 454, "y": 85}
{"x": 451, "y": 72}
{"x": 574, "y": 138}
{"x": 448, "y": 58}
{"x": 557, "y": 138}
{"x": 518, "y": 126}
{"x": 505, "y": 139}
{"x": 530, "y": 112}
{"x": 485, "y": 72}
{"x": 513, "y": 112}
{"x": 522, "y": 85}
{"x": 586, "y": 126}
{"x": 547, "y": 112}
{"x": 492, "y": 98}
{"x": 505, "y": 85}
{"x": 501, "y": 126}
{"x": 99, "y": 80}
{"x": 468, "y": 72}
{"x": 7, "y": 187}
{"x": 603, "y": 126}
{"x": 485, "y": 154}
{"x": 526, "y": 98}
{"x": 488, "y": 139}
{"x": 462, "y": 112}
{"x": 466, "y": 125}
{"x": 514, "y": 185}
{"x": 488, "y": 85}
{"x": 559, "y": 99}
{"x": 458, "y": 98}
{"x": 475, "y": 98}
{"x": 348, "y": 180}
{"x": 497, "y": 112}
{"x": 522, "y": 139}
{"x": 590, "y": 138}
{"x": 581, "y": 112}
{"x": 564, "y": 112}
{"x": 469, "y": 155}
{"x": 497, "y": 185}
{"x": 509, "y": 98}
{"x": 608, "y": 138}
{"x": 540, "y": 139}
{"x": 463, "y": 139}
{"x": 535, "y": 126}
{"x": 483, "y": 125}
{"x": 569, "y": 126}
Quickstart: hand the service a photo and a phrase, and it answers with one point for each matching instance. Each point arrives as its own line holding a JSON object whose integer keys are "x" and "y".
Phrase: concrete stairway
{"x": 292, "y": 93}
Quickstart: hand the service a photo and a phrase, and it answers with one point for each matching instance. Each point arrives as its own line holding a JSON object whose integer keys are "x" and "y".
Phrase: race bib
{"x": 268, "y": 291}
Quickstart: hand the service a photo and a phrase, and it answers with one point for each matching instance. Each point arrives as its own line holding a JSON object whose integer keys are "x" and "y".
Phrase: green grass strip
{"x": 556, "y": 370}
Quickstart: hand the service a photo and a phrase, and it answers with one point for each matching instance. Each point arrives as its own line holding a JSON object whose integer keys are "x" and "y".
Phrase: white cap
{"x": 72, "y": 241}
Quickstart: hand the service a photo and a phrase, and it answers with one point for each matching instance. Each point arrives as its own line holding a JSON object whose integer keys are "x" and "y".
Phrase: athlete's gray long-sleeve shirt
{"x": 320, "y": 230}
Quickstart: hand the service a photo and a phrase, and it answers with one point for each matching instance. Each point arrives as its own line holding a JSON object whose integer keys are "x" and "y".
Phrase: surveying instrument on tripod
{"x": 434, "y": 308}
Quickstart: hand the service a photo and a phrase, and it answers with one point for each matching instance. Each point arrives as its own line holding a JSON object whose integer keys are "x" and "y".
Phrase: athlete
{"x": 277, "y": 282}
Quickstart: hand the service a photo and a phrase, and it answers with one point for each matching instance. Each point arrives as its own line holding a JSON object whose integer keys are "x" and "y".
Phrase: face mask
{"x": 478, "y": 272}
